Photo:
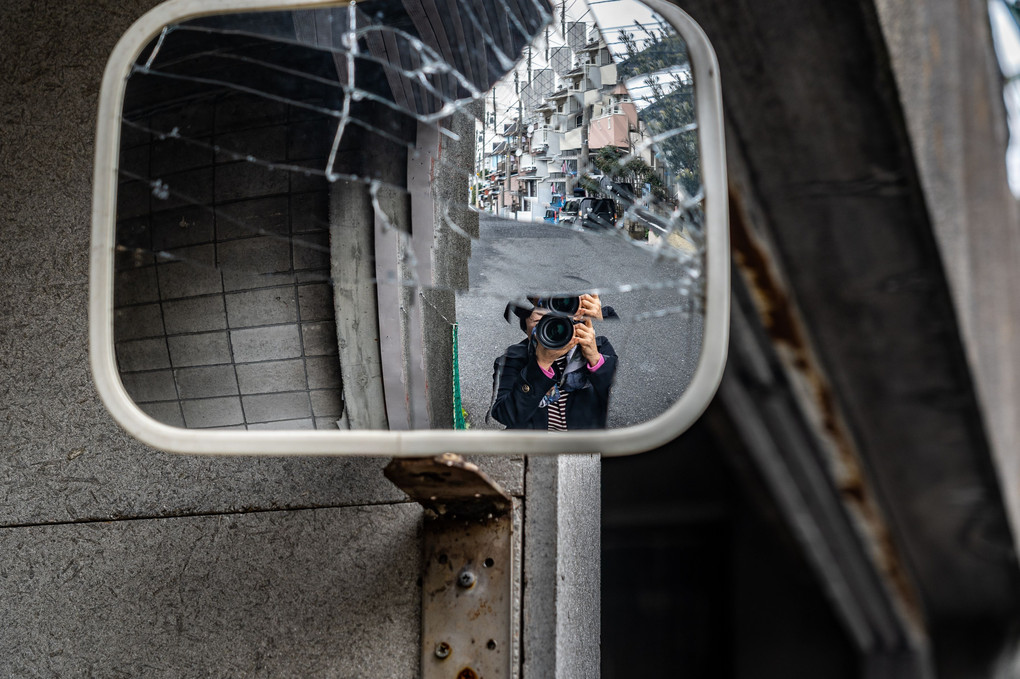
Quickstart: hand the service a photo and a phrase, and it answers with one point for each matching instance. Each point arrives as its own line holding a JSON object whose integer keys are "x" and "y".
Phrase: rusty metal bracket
{"x": 469, "y": 593}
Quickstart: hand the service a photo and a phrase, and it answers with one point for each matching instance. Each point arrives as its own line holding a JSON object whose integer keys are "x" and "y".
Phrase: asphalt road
{"x": 657, "y": 339}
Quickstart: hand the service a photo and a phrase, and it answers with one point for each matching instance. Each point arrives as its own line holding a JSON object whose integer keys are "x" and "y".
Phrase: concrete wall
{"x": 119, "y": 560}
{"x": 951, "y": 93}
{"x": 223, "y": 305}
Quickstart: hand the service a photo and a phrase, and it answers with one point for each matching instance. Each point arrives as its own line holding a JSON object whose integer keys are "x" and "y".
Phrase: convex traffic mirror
{"x": 404, "y": 228}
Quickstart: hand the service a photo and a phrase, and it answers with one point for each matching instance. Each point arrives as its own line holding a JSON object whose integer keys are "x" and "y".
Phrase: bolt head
{"x": 442, "y": 650}
{"x": 466, "y": 579}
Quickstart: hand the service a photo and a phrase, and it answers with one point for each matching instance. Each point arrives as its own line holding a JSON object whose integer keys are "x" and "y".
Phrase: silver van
{"x": 569, "y": 212}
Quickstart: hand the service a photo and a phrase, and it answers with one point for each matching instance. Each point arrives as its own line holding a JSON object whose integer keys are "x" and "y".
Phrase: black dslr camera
{"x": 556, "y": 328}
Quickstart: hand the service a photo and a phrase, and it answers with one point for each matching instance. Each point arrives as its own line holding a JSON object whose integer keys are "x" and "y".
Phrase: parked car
{"x": 597, "y": 213}
{"x": 550, "y": 215}
{"x": 569, "y": 211}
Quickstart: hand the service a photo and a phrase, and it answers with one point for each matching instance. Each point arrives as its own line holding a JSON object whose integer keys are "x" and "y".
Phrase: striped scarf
{"x": 557, "y": 410}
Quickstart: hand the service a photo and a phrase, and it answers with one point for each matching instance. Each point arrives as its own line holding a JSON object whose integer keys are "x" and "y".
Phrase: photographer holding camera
{"x": 559, "y": 377}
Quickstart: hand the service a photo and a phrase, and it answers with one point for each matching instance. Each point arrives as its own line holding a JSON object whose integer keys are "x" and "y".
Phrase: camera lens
{"x": 554, "y": 332}
{"x": 565, "y": 305}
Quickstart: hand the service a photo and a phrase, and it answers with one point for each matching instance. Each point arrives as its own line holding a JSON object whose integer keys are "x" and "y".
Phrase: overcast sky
{"x": 1007, "y": 46}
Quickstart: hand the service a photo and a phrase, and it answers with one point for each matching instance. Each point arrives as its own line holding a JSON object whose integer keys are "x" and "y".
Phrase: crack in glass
{"x": 464, "y": 157}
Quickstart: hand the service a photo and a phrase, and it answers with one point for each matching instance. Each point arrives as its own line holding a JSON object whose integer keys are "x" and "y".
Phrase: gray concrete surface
{"x": 943, "y": 52}
{"x": 562, "y": 541}
{"x": 836, "y": 211}
{"x": 320, "y": 593}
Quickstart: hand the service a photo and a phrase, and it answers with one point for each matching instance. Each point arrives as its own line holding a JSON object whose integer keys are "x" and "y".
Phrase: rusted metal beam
{"x": 790, "y": 340}
{"x": 832, "y": 185}
{"x": 780, "y": 402}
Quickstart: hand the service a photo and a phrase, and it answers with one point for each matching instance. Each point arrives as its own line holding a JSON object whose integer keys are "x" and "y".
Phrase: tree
{"x": 620, "y": 167}
{"x": 659, "y": 50}
{"x": 671, "y": 118}
{"x": 660, "y": 55}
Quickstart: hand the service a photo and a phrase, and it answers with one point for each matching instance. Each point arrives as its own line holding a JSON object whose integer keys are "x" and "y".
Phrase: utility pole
{"x": 484, "y": 170}
{"x": 506, "y": 164}
{"x": 582, "y": 160}
{"x": 520, "y": 140}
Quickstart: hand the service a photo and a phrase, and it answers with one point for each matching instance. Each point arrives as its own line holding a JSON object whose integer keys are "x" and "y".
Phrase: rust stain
{"x": 467, "y": 673}
{"x": 784, "y": 326}
{"x": 934, "y": 45}
{"x": 484, "y": 608}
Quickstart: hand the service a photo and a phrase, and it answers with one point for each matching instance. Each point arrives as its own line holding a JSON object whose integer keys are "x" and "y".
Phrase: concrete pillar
{"x": 562, "y": 526}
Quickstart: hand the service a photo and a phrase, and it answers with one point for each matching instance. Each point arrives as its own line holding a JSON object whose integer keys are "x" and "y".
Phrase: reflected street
{"x": 658, "y": 355}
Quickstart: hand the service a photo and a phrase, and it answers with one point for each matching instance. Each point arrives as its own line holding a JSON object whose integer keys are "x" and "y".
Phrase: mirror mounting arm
{"x": 470, "y": 548}
{"x": 449, "y": 486}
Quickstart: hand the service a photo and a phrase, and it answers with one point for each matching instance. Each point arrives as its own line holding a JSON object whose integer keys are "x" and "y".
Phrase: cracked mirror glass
{"x": 447, "y": 214}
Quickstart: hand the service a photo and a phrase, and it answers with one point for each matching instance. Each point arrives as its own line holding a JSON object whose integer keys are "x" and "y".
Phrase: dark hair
{"x": 521, "y": 312}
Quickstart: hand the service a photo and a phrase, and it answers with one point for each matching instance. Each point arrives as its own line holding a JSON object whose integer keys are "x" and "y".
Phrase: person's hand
{"x": 584, "y": 337}
{"x": 591, "y": 306}
{"x": 545, "y": 356}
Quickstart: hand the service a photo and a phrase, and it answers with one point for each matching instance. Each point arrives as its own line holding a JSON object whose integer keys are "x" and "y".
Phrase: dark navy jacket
{"x": 520, "y": 385}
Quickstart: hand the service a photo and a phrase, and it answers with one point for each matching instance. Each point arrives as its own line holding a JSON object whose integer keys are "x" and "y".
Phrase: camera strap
{"x": 559, "y": 368}
{"x": 556, "y": 401}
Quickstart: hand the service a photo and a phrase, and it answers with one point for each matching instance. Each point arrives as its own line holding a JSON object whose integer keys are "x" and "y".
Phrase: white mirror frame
{"x": 633, "y": 439}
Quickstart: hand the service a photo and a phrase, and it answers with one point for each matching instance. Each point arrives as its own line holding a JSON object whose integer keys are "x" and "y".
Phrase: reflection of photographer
{"x": 559, "y": 377}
